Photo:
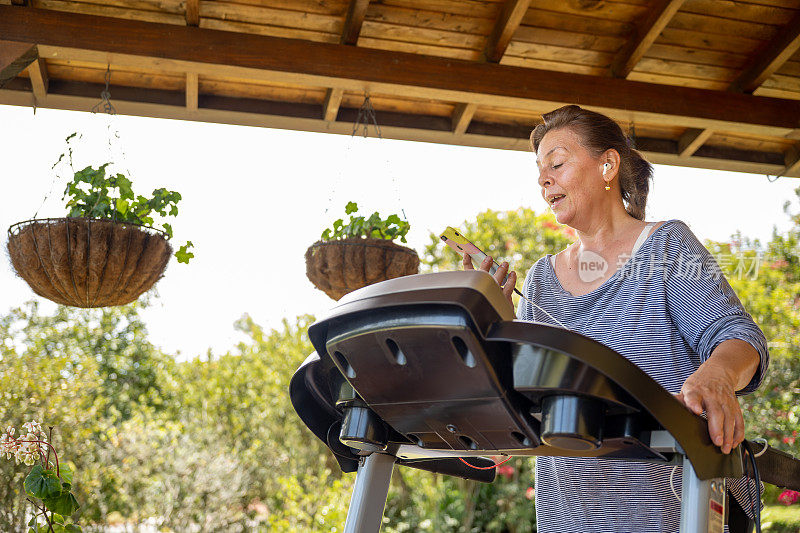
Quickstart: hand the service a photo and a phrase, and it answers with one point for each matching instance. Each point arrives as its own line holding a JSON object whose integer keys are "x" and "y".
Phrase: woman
{"x": 651, "y": 292}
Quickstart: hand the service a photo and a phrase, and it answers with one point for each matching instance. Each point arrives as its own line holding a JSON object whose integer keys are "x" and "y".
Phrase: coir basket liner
{"x": 86, "y": 262}
{"x": 339, "y": 267}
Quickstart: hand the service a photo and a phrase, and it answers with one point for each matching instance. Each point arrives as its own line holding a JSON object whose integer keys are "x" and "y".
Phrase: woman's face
{"x": 571, "y": 177}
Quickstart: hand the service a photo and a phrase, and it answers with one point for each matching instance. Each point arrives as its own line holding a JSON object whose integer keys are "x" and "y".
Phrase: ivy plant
{"x": 93, "y": 193}
{"x": 374, "y": 227}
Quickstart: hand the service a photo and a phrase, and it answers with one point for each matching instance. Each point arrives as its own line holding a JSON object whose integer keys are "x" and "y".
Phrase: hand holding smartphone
{"x": 462, "y": 245}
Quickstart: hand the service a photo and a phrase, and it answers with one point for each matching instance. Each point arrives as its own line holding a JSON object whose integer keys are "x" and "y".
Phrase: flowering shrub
{"x": 788, "y": 497}
{"x": 52, "y": 488}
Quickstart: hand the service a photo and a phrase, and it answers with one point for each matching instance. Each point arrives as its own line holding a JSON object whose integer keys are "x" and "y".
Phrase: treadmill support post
{"x": 697, "y": 497}
{"x": 369, "y": 494}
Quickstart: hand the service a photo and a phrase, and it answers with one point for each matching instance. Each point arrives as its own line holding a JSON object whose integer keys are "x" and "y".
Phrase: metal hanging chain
{"x": 106, "y": 107}
{"x": 105, "y": 104}
{"x": 366, "y": 116}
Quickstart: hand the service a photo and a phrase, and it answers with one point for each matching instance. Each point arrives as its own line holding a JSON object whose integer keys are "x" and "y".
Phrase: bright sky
{"x": 254, "y": 199}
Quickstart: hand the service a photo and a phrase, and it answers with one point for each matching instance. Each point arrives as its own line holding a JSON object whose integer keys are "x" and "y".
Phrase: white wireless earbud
{"x": 606, "y": 166}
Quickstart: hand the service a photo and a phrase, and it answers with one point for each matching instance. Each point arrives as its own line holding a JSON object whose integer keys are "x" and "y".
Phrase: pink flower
{"x": 788, "y": 497}
{"x": 530, "y": 493}
{"x": 505, "y": 470}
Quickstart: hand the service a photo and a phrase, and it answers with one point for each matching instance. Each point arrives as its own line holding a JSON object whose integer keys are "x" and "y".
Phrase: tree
{"x": 81, "y": 371}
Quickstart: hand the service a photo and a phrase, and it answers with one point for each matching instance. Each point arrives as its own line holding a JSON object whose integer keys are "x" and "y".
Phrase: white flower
{"x": 32, "y": 427}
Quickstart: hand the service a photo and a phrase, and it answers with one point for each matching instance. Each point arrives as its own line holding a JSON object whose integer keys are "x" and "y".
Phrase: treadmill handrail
{"x": 688, "y": 429}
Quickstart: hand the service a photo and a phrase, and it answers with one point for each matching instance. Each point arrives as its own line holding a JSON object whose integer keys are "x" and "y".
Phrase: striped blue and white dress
{"x": 665, "y": 309}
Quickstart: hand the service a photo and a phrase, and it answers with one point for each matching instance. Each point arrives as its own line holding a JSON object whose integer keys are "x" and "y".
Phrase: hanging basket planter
{"x": 86, "y": 262}
{"x": 342, "y": 266}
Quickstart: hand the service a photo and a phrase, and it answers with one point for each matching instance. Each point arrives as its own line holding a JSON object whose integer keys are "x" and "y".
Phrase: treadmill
{"x": 426, "y": 370}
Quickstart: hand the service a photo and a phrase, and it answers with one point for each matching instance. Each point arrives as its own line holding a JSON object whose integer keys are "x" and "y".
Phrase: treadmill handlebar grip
{"x": 776, "y": 467}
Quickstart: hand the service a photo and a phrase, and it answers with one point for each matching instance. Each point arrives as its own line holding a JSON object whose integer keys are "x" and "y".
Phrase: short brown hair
{"x": 599, "y": 133}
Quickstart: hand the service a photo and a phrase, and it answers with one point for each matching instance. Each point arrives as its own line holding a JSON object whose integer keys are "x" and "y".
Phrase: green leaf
{"x": 122, "y": 206}
{"x": 124, "y": 186}
{"x": 326, "y": 235}
{"x": 168, "y": 229}
{"x": 63, "y": 504}
{"x": 183, "y": 255}
{"x": 32, "y": 522}
{"x": 57, "y": 518}
{"x": 351, "y": 207}
{"x": 73, "y": 528}
{"x": 42, "y": 483}
{"x": 66, "y": 474}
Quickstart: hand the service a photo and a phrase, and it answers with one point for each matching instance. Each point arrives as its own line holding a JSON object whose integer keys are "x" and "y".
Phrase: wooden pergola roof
{"x": 703, "y": 83}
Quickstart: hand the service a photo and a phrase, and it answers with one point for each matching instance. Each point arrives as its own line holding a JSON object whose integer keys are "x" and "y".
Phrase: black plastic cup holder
{"x": 363, "y": 430}
{"x": 572, "y": 422}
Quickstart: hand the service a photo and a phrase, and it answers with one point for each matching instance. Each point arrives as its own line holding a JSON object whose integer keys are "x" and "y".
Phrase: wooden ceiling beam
{"x": 776, "y": 53}
{"x": 354, "y": 20}
{"x": 15, "y": 57}
{"x": 192, "y": 90}
{"x": 220, "y": 53}
{"x": 461, "y": 117}
{"x": 691, "y": 140}
{"x": 228, "y": 110}
{"x": 330, "y": 107}
{"x": 645, "y": 34}
{"x": 356, "y": 12}
{"x": 792, "y": 158}
{"x": 507, "y": 23}
{"x": 39, "y": 79}
{"x": 192, "y": 12}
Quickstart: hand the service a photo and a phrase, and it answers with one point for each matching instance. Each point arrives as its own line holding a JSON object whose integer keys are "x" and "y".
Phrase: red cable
{"x": 484, "y": 467}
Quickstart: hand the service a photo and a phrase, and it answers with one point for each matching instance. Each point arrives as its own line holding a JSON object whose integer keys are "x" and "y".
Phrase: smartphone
{"x": 462, "y": 245}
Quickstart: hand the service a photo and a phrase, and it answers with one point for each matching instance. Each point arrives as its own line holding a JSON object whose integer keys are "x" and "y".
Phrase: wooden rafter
{"x": 507, "y": 23}
{"x": 692, "y": 140}
{"x": 356, "y": 12}
{"x": 355, "y": 19}
{"x": 776, "y": 53}
{"x": 646, "y": 33}
{"x": 192, "y": 12}
{"x": 400, "y": 75}
{"x": 352, "y": 68}
{"x": 792, "y": 159}
{"x": 14, "y": 58}
{"x": 462, "y": 116}
{"x": 192, "y": 91}
{"x": 306, "y": 117}
{"x": 330, "y": 107}
{"x": 39, "y": 79}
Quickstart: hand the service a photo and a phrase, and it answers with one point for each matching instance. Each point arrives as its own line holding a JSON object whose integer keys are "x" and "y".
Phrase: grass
{"x": 781, "y": 518}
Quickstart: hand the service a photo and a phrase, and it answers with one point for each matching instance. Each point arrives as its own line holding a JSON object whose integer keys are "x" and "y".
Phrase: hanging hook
{"x": 366, "y": 116}
{"x": 105, "y": 104}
